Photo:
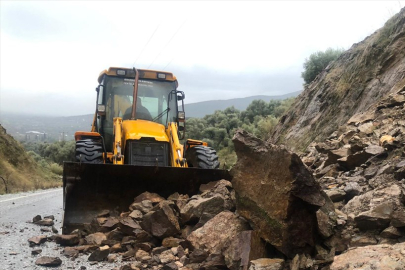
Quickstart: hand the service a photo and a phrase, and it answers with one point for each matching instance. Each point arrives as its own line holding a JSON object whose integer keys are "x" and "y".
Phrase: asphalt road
{"x": 16, "y": 227}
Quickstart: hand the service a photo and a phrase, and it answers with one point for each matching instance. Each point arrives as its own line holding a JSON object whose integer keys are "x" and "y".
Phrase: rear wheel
{"x": 89, "y": 151}
{"x": 202, "y": 157}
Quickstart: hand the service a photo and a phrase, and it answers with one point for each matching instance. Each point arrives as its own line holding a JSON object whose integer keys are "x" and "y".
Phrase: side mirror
{"x": 101, "y": 109}
{"x": 181, "y": 95}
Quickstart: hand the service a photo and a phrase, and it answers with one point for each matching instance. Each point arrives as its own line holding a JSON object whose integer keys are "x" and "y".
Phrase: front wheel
{"x": 89, "y": 151}
{"x": 202, "y": 157}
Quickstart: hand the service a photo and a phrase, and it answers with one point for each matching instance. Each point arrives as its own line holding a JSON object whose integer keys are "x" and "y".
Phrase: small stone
{"x": 198, "y": 255}
{"x": 37, "y": 240}
{"x": 95, "y": 238}
{"x": 54, "y": 230}
{"x": 48, "y": 261}
{"x": 136, "y": 214}
{"x": 36, "y": 251}
{"x": 100, "y": 254}
{"x": 104, "y": 213}
{"x": 36, "y": 218}
{"x": 111, "y": 258}
{"x": 67, "y": 240}
{"x": 45, "y": 222}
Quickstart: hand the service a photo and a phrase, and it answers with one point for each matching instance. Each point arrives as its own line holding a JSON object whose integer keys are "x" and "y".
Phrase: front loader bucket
{"x": 90, "y": 188}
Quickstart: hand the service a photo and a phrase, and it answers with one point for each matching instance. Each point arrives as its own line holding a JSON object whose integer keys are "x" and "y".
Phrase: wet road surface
{"x": 16, "y": 213}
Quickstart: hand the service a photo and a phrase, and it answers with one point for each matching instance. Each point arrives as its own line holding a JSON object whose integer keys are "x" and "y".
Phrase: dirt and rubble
{"x": 274, "y": 215}
{"x": 362, "y": 169}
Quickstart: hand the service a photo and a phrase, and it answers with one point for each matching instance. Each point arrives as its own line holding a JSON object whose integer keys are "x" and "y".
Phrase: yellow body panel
{"x": 136, "y": 129}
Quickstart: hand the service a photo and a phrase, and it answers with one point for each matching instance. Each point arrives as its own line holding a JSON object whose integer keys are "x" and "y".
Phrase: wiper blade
{"x": 161, "y": 114}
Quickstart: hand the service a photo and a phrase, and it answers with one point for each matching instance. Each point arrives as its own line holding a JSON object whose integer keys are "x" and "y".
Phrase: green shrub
{"x": 317, "y": 62}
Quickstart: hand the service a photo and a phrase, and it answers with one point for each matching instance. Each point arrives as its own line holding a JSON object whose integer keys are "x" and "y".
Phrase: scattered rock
{"x": 67, "y": 240}
{"x": 100, "y": 254}
{"x": 48, "y": 261}
{"x": 36, "y": 251}
{"x": 267, "y": 264}
{"x": 37, "y": 240}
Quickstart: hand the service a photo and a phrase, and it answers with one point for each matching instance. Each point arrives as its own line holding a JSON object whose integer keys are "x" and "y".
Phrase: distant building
{"x": 35, "y": 136}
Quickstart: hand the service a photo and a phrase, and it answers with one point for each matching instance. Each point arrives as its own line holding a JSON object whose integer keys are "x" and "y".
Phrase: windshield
{"x": 154, "y": 102}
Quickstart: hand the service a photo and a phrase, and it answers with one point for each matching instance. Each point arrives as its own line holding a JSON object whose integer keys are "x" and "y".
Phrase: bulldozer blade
{"x": 89, "y": 189}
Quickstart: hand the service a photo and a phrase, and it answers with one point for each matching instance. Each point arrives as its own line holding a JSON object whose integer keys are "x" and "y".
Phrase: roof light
{"x": 161, "y": 76}
{"x": 121, "y": 72}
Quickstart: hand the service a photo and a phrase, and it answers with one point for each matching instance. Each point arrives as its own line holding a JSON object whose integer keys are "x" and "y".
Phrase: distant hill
{"x": 200, "y": 109}
{"x": 55, "y": 128}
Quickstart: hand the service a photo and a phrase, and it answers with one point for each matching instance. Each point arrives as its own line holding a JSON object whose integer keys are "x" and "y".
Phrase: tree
{"x": 317, "y": 62}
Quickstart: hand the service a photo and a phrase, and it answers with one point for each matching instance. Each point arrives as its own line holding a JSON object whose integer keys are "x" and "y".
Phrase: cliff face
{"x": 356, "y": 81}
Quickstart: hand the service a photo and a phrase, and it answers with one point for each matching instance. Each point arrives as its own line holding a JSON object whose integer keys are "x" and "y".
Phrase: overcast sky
{"x": 51, "y": 52}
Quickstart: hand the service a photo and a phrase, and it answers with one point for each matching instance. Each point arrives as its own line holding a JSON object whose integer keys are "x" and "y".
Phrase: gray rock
{"x": 100, "y": 254}
{"x": 45, "y": 222}
{"x": 67, "y": 240}
{"x": 163, "y": 221}
{"x": 195, "y": 208}
{"x": 246, "y": 246}
{"x": 267, "y": 264}
{"x": 391, "y": 233}
{"x": 36, "y": 218}
{"x": 352, "y": 189}
{"x": 95, "y": 238}
{"x": 37, "y": 240}
{"x": 48, "y": 261}
{"x": 363, "y": 240}
{"x": 36, "y": 251}
{"x": 336, "y": 195}
{"x": 152, "y": 197}
{"x": 198, "y": 256}
{"x": 371, "y": 257}
{"x": 145, "y": 206}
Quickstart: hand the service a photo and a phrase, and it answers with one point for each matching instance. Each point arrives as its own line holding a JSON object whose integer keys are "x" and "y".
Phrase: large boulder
{"x": 277, "y": 194}
{"x": 217, "y": 234}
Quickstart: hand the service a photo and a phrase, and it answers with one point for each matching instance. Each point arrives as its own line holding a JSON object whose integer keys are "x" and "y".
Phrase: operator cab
{"x": 157, "y": 99}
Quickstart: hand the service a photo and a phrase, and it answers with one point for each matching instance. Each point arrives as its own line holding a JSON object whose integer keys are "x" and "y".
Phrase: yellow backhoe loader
{"x": 134, "y": 146}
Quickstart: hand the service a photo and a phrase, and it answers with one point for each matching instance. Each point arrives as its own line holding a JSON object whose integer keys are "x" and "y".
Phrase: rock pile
{"x": 273, "y": 216}
{"x": 174, "y": 233}
{"x": 362, "y": 169}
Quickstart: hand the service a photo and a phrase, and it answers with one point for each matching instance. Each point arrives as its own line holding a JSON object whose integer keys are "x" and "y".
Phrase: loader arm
{"x": 176, "y": 148}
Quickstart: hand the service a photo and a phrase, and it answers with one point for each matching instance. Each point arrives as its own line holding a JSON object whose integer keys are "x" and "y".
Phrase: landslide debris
{"x": 367, "y": 72}
{"x": 361, "y": 167}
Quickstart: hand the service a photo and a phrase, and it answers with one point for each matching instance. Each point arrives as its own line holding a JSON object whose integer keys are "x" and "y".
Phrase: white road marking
{"x": 30, "y": 195}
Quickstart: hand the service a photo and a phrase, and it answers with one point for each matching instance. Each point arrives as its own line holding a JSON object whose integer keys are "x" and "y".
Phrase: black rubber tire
{"x": 202, "y": 157}
{"x": 89, "y": 151}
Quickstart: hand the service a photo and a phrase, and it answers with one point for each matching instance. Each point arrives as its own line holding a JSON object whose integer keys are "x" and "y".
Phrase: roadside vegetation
{"x": 19, "y": 171}
{"x": 218, "y": 128}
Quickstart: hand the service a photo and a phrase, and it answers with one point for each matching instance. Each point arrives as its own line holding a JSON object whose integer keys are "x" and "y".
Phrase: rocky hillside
{"x": 18, "y": 171}
{"x": 369, "y": 71}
